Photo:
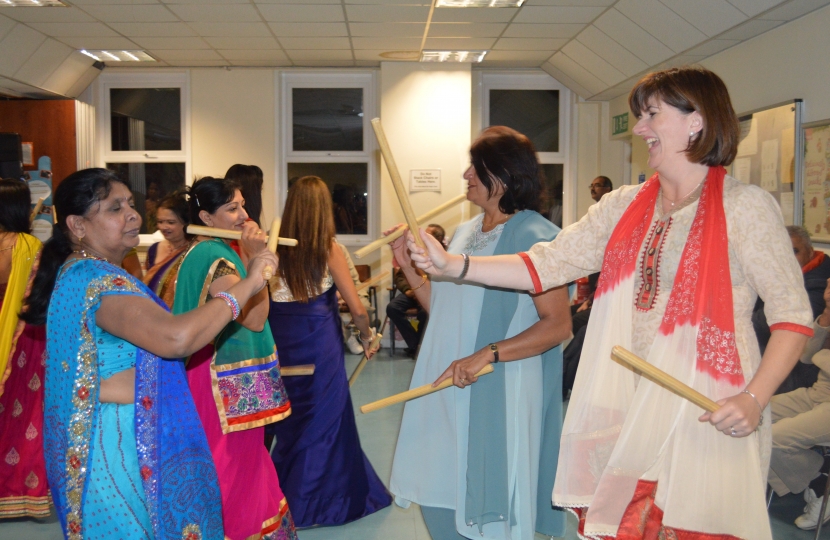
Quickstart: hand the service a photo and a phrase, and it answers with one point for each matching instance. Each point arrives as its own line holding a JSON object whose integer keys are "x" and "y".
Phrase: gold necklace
{"x": 82, "y": 252}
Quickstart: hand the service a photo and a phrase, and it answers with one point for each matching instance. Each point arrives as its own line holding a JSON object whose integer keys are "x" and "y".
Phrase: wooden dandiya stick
{"x": 362, "y": 364}
{"x": 660, "y": 377}
{"x": 273, "y": 238}
{"x": 36, "y": 209}
{"x": 415, "y": 393}
{"x": 372, "y": 281}
{"x": 422, "y": 220}
{"x": 397, "y": 183}
{"x": 229, "y": 234}
{"x": 295, "y": 371}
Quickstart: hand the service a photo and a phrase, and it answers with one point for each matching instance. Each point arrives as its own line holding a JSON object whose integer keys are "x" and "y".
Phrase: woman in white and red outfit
{"x": 683, "y": 258}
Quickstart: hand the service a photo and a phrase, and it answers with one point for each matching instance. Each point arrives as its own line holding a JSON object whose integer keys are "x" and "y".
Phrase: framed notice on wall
{"x": 816, "y": 181}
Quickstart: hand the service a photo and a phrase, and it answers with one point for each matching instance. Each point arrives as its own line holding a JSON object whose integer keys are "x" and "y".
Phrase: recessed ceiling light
{"x": 479, "y": 3}
{"x": 452, "y": 56}
{"x": 32, "y": 3}
{"x": 401, "y": 55}
{"x": 111, "y": 55}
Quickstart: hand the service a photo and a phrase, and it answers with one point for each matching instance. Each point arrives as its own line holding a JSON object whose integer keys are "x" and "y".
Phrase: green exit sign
{"x": 620, "y": 124}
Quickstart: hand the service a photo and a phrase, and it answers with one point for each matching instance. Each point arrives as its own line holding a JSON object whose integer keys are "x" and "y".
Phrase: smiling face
{"x": 110, "y": 228}
{"x": 170, "y": 226}
{"x": 666, "y": 130}
{"x": 230, "y": 215}
{"x": 477, "y": 191}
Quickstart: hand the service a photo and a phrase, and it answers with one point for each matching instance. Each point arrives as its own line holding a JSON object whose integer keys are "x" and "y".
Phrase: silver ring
{"x": 734, "y": 433}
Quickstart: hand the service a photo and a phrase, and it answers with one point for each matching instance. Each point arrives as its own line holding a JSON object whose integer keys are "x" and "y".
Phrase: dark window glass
{"x": 553, "y": 174}
{"x": 532, "y": 112}
{"x": 348, "y": 183}
{"x": 150, "y": 183}
{"x": 327, "y": 119}
{"x": 146, "y": 118}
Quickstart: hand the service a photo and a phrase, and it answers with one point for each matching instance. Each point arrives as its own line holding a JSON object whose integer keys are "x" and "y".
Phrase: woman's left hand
{"x": 463, "y": 372}
{"x": 738, "y": 416}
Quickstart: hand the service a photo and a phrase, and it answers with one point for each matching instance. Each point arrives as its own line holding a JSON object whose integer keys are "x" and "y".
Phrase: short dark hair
{"x": 15, "y": 205}
{"x": 250, "y": 180}
{"x": 797, "y": 231}
{"x": 689, "y": 89}
{"x": 606, "y": 182}
{"x": 209, "y": 193}
{"x": 503, "y": 154}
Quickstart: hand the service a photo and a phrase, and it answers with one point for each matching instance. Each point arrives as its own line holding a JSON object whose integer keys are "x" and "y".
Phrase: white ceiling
{"x": 596, "y": 47}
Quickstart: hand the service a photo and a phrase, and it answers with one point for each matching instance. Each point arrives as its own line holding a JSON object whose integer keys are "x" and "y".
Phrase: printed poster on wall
{"x": 817, "y": 182}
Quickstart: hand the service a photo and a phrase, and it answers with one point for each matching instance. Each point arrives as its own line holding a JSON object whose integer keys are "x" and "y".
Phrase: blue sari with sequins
{"x": 142, "y": 470}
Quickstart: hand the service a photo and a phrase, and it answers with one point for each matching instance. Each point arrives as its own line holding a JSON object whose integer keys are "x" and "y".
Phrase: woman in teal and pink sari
{"x": 126, "y": 454}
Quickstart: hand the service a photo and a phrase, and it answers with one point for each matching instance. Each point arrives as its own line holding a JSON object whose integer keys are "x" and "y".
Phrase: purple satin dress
{"x": 326, "y": 477}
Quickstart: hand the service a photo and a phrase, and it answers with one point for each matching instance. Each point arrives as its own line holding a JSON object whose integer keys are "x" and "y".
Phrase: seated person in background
{"x": 801, "y": 420}
{"x": 600, "y": 186}
{"x": 397, "y": 308}
{"x": 816, "y": 269}
{"x": 349, "y": 329}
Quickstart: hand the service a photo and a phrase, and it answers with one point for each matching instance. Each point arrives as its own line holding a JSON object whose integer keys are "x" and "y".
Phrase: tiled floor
{"x": 378, "y": 433}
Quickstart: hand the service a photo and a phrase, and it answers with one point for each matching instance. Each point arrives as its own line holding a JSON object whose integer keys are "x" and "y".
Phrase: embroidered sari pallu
{"x": 142, "y": 470}
{"x": 161, "y": 277}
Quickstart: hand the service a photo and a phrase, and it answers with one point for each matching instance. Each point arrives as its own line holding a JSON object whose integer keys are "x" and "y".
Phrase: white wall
{"x": 596, "y": 153}
{"x": 233, "y": 121}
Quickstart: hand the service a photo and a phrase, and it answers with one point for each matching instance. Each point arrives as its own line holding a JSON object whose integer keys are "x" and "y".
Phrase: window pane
{"x": 553, "y": 174}
{"x": 532, "y": 112}
{"x": 348, "y": 185}
{"x": 150, "y": 183}
{"x": 146, "y": 118}
{"x": 327, "y": 119}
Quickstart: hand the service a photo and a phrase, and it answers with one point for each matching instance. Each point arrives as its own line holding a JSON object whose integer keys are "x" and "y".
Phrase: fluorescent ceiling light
{"x": 32, "y": 3}
{"x": 479, "y": 3}
{"x": 453, "y": 56}
{"x": 112, "y": 55}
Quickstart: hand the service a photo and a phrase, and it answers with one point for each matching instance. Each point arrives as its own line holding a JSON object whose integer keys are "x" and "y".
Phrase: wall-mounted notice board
{"x": 816, "y": 180}
{"x": 770, "y": 155}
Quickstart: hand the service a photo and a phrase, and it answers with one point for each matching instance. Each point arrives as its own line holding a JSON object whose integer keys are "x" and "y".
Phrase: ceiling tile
{"x": 464, "y": 44}
{"x": 554, "y": 67}
{"x": 43, "y": 62}
{"x": 205, "y": 1}
{"x": 215, "y": 13}
{"x": 174, "y": 55}
{"x": 478, "y": 15}
{"x": 466, "y": 29}
{"x": 171, "y": 42}
{"x": 131, "y": 13}
{"x": 524, "y": 30}
{"x": 230, "y": 29}
{"x": 753, "y": 7}
{"x": 94, "y": 2}
{"x": 76, "y": 29}
{"x": 261, "y": 63}
{"x": 301, "y": 13}
{"x": 310, "y": 29}
{"x": 535, "y": 57}
{"x": 368, "y": 63}
{"x": 592, "y": 62}
{"x": 558, "y": 14}
{"x": 388, "y": 13}
{"x": 6, "y": 25}
{"x": 678, "y": 61}
{"x": 588, "y": 3}
{"x": 642, "y": 44}
{"x": 58, "y": 14}
{"x": 17, "y": 47}
{"x": 309, "y": 43}
{"x": 389, "y": 2}
{"x": 530, "y": 44}
{"x": 165, "y": 29}
{"x": 303, "y": 55}
{"x": 662, "y": 23}
{"x": 386, "y": 43}
{"x": 185, "y": 62}
{"x": 387, "y": 29}
{"x": 794, "y": 9}
{"x": 242, "y": 42}
{"x": 713, "y": 46}
{"x": 297, "y": 2}
{"x": 750, "y": 29}
{"x": 709, "y": 16}
{"x": 99, "y": 43}
{"x": 272, "y": 55}
{"x": 324, "y": 63}
{"x": 619, "y": 57}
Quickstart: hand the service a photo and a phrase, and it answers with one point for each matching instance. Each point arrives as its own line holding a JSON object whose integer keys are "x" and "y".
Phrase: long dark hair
{"x": 503, "y": 154}
{"x": 16, "y": 202}
{"x": 208, "y": 194}
{"x": 75, "y": 196}
{"x": 250, "y": 180}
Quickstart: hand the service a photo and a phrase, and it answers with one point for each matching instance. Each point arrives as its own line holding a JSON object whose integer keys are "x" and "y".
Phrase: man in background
{"x": 600, "y": 186}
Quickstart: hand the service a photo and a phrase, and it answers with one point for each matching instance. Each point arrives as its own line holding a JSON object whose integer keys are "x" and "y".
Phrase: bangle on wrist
{"x": 420, "y": 285}
{"x": 232, "y": 303}
{"x": 761, "y": 421}
{"x": 466, "y": 265}
{"x": 495, "y": 350}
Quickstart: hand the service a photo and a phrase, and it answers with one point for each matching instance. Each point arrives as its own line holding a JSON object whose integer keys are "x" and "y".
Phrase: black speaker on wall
{"x": 11, "y": 155}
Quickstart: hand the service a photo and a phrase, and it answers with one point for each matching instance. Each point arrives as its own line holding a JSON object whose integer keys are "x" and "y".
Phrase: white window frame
{"x": 539, "y": 80}
{"x": 142, "y": 79}
{"x": 332, "y": 78}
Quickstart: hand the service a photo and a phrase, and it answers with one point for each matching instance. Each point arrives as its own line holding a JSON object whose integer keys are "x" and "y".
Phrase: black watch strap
{"x": 495, "y": 349}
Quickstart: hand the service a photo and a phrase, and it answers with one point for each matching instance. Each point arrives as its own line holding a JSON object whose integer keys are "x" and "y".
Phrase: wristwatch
{"x": 495, "y": 349}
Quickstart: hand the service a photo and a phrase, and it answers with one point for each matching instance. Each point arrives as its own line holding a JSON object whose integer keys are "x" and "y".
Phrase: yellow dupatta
{"x": 24, "y": 255}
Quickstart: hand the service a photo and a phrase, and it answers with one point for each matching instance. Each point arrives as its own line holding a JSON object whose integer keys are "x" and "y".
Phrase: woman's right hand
{"x": 434, "y": 259}
{"x": 254, "y": 240}
{"x": 257, "y": 266}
